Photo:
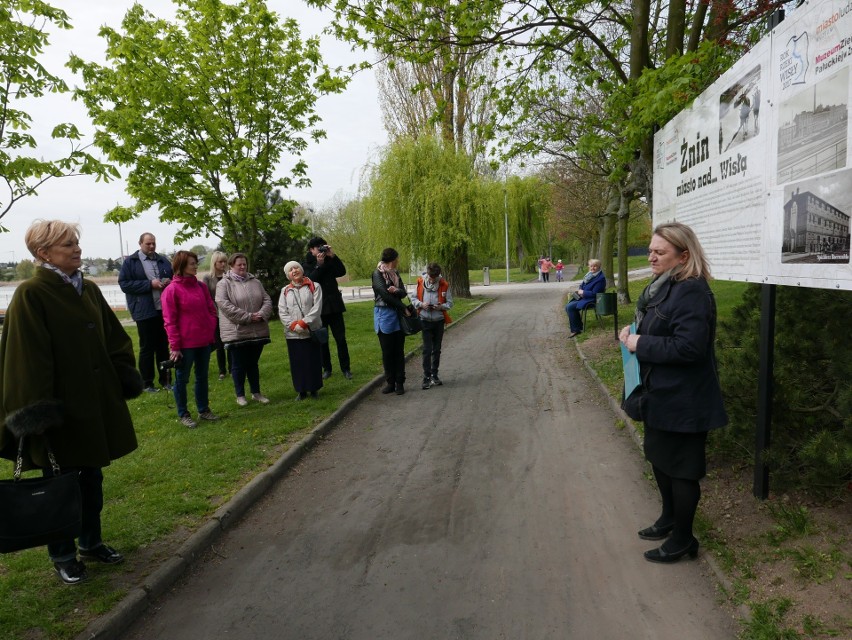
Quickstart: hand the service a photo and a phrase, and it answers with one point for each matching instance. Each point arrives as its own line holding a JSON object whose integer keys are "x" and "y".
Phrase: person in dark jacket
{"x": 66, "y": 369}
{"x": 681, "y": 399}
{"x": 323, "y": 267}
{"x": 594, "y": 282}
{"x": 142, "y": 278}
{"x": 389, "y": 290}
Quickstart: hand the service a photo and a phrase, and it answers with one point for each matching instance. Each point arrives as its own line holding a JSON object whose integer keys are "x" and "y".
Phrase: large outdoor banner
{"x": 759, "y": 165}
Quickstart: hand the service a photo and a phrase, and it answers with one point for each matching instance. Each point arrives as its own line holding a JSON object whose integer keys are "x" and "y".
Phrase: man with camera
{"x": 323, "y": 267}
{"x": 142, "y": 278}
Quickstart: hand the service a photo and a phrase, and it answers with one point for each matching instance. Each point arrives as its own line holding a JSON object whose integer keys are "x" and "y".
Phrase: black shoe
{"x": 661, "y": 555}
{"x": 71, "y": 571}
{"x": 388, "y": 388}
{"x": 436, "y": 381}
{"x": 400, "y": 388}
{"x": 301, "y": 396}
{"x": 427, "y": 383}
{"x": 326, "y": 375}
{"x": 347, "y": 375}
{"x": 656, "y": 533}
{"x": 102, "y": 553}
{"x": 151, "y": 389}
{"x": 314, "y": 394}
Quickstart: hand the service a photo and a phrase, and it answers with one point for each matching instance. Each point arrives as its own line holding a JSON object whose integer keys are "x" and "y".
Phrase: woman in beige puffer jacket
{"x": 244, "y": 312}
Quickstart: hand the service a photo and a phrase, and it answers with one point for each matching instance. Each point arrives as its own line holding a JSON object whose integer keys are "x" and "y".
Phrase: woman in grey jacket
{"x": 682, "y": 398}
{"x": 244, "y": 312}
{"x": 300, "y": 308}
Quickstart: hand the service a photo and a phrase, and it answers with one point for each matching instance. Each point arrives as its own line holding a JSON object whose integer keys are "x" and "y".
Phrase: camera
{"x": 165, "y": 365}
{"x": 324, "y": 248}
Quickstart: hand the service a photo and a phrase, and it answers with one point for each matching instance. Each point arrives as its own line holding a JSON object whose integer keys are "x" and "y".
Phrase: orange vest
{"x": 443, "y": 285}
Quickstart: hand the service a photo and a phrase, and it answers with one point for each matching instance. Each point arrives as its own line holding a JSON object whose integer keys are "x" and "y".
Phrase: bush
{"x": 811, "y": 438}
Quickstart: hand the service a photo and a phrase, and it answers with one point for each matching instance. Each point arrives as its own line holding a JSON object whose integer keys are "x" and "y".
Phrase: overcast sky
{"x": 352, "y": 121}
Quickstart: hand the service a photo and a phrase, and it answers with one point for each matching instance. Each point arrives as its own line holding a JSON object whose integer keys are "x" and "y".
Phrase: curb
{"x": 112, "y": 624}
{"x": 721, "y": 577}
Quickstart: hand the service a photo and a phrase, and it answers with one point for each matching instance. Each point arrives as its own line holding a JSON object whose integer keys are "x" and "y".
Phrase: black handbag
{"x": 410, "y": 324}
{"x": 632, "y": 404}
{"x": 320, "y": 336}
{"x": 36, "y": 511}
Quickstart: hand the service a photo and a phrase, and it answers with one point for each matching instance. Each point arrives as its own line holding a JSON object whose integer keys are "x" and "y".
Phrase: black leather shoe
{"x": 656, "y": 533}
{"x": 102, "y": 553}
{"x": 326, "y": 375}
{"x": 71, "y": 571}
{"x": 388, "y": 388}
{"x": 661, "y": 555}
{"x": 347, "y": 375}
{"x": 400, "y": 388}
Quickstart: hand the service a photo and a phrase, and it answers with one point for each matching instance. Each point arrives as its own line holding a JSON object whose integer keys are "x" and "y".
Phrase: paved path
{"x": 501, "y": 505}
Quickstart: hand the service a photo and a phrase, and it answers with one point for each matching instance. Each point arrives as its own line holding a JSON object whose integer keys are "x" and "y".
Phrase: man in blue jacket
{"x": 143, "y": 276}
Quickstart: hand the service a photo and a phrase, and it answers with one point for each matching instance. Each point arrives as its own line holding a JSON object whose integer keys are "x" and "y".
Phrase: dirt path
{"x": 501, "y": 505}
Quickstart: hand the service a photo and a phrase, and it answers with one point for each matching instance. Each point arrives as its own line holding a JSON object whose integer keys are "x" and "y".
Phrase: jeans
{"x": 244, "y": 364}
{"x": 574, "y": 319}
{"x": 200, "y": 356}
{"x": 334, "y": 322}
{"x": 153, "y": 348}
{"x": 433, "y": 336}
{"x": 92, "y": 494}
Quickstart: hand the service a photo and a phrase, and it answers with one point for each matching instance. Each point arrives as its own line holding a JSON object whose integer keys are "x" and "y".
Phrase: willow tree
{"x": 427, "y": 201}
{"x": 205, "y": 111}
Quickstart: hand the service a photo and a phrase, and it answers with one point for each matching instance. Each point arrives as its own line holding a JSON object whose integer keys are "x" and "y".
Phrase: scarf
{"x": 236, "y": 277}
{"x": 588, "y": 277}
{"x": 650, "y": 291}
{"x": 75, "y": 279}
{"x": 391, "y": 276}
{"x": 431, "y": 285}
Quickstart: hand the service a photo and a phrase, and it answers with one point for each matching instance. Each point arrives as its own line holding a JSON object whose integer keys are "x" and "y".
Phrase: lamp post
{"x": 506, "y": 229}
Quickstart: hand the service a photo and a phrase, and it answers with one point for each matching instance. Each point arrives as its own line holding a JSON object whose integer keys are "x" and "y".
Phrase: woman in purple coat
{"x": 594, "y": 282}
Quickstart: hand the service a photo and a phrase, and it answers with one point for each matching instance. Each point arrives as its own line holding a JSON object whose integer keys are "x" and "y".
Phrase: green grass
{"x": 179, "y": 476}
{"x": 475, "y": 276}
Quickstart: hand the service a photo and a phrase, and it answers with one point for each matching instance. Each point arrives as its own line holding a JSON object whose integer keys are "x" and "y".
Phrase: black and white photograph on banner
{"x": 739, "y": 111}
{"x": 816, "y": 220}
{"x": 813, "y": 128}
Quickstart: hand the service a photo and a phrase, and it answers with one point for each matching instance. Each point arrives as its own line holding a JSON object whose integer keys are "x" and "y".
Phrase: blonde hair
{"x": 683, "y": 238}
{"x": 44, "y": 234}
{"x": 214, "y": 258}
{"x": 594, "y": 262}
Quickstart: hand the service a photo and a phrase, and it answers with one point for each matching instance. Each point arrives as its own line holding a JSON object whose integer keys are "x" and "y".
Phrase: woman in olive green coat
{"x": 66, "y": 367}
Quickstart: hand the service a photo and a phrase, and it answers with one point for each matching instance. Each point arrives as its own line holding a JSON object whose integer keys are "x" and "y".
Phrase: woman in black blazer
{"x": 682, "y": 399}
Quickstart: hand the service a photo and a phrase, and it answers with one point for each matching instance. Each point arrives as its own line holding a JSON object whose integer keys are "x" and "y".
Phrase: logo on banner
{"x": 794, "y": 61}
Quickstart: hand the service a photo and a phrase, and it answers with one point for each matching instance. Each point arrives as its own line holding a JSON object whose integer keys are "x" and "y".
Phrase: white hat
{"x": 289, "y": 266}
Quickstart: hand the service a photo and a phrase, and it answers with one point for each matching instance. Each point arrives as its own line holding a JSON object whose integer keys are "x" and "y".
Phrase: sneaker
{"x": 102, "y": 553}
{"x": 259, "y": 397}
{"x": 436, "y": 381}
{"x": 326, "y": 375}
{"x": 427, "y": 383}
{"x": 71, "y": 571}
{"x": 221, "y": 376}
{"x": 241, "y": 400}
{"x": 151, "y": 389}
{"x": 168, "y": 387}
{"x": 347, "y": 375}
{"x": 187, "y": 421}
{"x": 208, "y": 415}
{"x": 302, "y": 396}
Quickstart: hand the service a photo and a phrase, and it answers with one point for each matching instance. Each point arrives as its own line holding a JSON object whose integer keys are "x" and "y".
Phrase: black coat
{"x": 325, "y": 275}
{"x": 677, "y": 359}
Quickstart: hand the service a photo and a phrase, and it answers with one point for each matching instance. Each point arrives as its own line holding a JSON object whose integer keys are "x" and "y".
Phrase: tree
{"x": 24, "y": 269}
{"x": 23, "y": 32}
{"x": 203, "y": 111}
{"x": 429, "y": 202}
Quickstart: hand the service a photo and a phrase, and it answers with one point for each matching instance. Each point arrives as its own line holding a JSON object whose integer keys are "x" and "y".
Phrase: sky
{"x": 352, "y": 121}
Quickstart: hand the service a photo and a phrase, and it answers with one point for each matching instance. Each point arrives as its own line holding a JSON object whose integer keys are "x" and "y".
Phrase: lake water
{"x": 112, "y": 292}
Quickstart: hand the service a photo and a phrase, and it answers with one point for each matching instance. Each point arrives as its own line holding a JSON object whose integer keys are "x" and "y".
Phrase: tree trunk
{"x": 608, "y": 233}
{"x": 457, "y": 274}
{"x": 623, "y": 289}
{"x": 676, "y": 28}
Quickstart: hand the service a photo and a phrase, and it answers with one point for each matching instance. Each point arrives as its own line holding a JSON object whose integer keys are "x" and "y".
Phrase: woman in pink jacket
{"x": 190, "y": 318}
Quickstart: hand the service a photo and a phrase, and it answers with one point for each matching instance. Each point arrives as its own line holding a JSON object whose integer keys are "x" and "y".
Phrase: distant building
{"x": 811, "y": 225}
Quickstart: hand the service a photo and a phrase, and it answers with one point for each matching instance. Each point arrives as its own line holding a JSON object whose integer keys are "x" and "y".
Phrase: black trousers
{"x": 153, "y": 348}
{"x": 335, "y": 324}
{"x": 92, "y": 494}
{"x": 393, "y": 356}
{"x": 433, "y": 336}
